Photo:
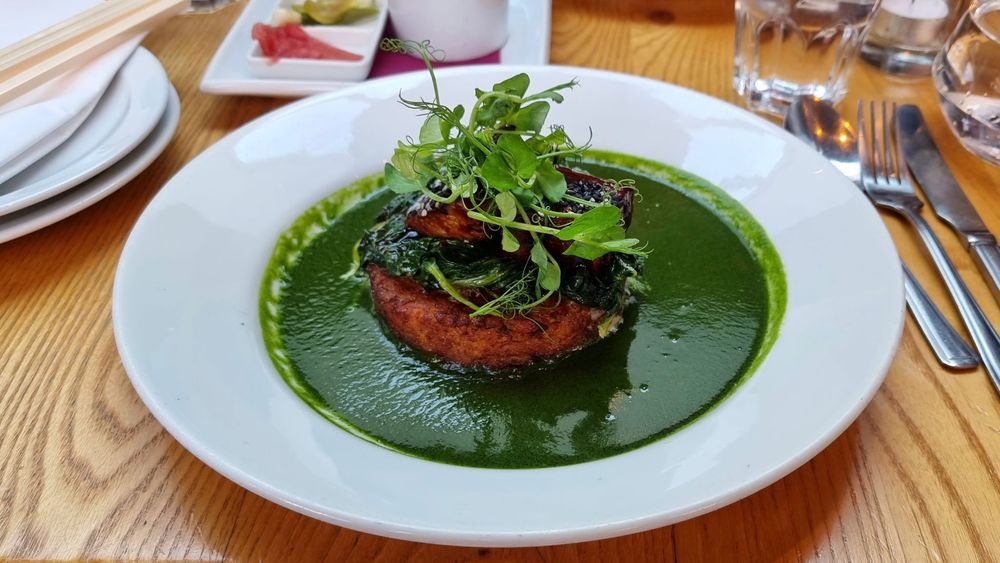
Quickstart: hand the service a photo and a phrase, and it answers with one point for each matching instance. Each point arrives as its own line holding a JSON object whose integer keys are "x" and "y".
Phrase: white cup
{"x": 458, "y": 30}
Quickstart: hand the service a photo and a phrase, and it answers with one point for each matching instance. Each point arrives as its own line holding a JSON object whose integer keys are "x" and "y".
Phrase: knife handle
{"x": 987, "y": 256}
{"x": 948, "y": 346}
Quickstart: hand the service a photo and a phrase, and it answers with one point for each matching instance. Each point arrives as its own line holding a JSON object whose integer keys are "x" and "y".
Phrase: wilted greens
{"x": 462, "y": 265}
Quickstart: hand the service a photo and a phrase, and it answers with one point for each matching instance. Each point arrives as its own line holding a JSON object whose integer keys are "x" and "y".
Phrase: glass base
{"x": 775, "y": 96}
{"x": 989, "y": 154}
{"x": 767, "y": 104}
{"x": 898, "y": 60}
{"x": 207, "y": 6}
{"x": 981, "y": 138}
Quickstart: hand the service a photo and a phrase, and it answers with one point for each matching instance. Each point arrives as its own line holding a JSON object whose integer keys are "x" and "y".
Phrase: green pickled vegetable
{"x": 335, "y": 12}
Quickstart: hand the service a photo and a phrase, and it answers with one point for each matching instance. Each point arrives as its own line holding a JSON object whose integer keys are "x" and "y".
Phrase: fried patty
{"x": 432, "y": 219}
{"x": 432, "y": 322}
{"x": 451, "y": 220}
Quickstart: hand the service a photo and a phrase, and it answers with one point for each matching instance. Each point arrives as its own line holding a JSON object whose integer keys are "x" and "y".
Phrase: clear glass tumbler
{"x": 967, "y": 76}
{"x": 791, "y": 48}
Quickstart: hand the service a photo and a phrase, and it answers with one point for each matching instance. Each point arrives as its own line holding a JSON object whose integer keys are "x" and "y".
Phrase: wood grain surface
{"x": 87, "y": 472}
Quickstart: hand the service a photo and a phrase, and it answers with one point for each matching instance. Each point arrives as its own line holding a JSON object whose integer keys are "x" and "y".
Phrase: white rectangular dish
{"x": 230, "y": 70}
{"x": 361, "y": 39}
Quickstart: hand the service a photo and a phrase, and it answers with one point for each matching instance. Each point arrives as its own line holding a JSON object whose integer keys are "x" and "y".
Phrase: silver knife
{"x": 946, "y": 196}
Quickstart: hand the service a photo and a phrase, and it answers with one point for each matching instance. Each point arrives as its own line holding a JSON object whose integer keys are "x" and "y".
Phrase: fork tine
{"x": 891, "y": 165}
{"x": 904, "y": 170}
{"x": 873, "y": 141}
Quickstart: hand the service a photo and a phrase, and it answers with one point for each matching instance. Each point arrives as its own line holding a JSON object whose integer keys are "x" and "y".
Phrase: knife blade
{"x": 946, "y": 196}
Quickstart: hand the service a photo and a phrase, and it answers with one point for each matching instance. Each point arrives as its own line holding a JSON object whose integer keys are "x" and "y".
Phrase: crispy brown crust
{"x": 434, "y": 323}
{"x": 451, "y": 221}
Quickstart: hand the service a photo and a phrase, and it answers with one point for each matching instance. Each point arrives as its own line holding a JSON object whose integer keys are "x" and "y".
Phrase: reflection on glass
{"x": 791, "y": 48}
{"x": 967, "y": 76}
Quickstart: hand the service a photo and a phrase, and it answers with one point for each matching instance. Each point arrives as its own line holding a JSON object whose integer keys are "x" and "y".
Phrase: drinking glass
{"x": 967, "y": 76}
{"x": 208, "y": 6}
{"x": 791, "y": 48}
{"x": 905, "y": 35}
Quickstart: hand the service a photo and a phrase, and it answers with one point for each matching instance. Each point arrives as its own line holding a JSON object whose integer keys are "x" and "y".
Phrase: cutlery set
{"x": 893, "y": 142}
{"x": 885, "y": 177}
{"x": 820, "y": 125}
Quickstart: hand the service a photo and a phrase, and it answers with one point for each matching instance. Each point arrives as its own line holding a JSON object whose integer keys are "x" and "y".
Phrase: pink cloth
{"x": 395, "y": 63}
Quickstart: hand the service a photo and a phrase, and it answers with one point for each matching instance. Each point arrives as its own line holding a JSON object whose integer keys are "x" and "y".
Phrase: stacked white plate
{"x": 95, "y": 152}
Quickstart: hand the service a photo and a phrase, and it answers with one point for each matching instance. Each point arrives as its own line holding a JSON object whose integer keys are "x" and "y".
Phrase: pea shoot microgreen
{"x": 500, "y": 160}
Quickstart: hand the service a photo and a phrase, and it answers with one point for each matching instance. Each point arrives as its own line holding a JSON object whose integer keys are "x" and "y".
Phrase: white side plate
{"x": 47, "y": 144}
{"x": 97, "y": 188}
{"x": 186, "y": 299}
{"x": 360, "y": 39}
{"x": 129, "y": 109}
{"x": 230, "y": 72}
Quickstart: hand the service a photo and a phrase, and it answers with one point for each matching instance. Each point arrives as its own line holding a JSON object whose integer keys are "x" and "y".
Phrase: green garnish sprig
{"x": 500, "y": 160}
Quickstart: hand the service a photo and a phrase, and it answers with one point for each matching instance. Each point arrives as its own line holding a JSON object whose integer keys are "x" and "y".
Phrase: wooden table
{"x": 87, "y": 472}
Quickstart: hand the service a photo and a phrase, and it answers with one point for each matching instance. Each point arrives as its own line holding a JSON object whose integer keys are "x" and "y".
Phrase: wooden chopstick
{"x": 45, "y": 55}
{"x": 62, "y": 33}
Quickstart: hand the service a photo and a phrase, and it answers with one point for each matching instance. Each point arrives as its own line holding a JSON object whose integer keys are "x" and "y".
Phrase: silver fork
{"x": 886, "y": 179}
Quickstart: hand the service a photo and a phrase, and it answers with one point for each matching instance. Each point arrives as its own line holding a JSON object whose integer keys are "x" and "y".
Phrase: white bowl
{"x": 185, "y": 310}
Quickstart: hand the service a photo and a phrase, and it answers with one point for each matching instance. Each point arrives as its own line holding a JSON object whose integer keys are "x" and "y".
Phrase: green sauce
{"x": 715, "y": 301}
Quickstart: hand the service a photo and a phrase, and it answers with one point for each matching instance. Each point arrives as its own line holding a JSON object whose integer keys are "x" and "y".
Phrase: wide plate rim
{"x": 524, "y": 537}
